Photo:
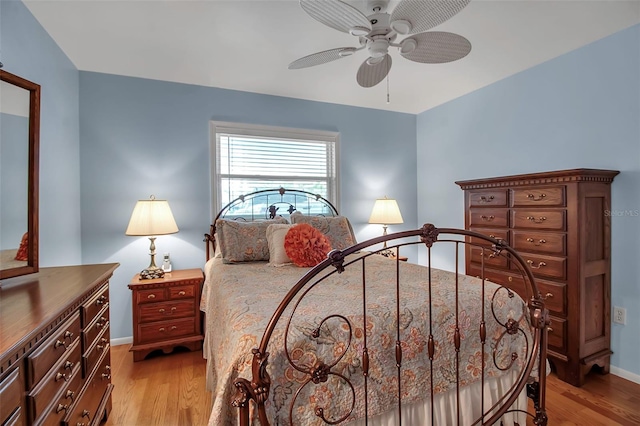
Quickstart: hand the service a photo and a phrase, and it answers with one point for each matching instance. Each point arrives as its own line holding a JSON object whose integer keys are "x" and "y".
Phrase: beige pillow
{"x": 241, "y": 241}
{"x": 275, "y": 239}
{"x": 337, "y": 228}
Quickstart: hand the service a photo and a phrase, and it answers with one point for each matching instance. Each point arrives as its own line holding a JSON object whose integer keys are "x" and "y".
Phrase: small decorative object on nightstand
{"x": 166, "y": 312}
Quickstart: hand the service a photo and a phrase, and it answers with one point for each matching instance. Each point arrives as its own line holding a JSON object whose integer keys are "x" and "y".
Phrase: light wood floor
{"x": 170, "y": 390}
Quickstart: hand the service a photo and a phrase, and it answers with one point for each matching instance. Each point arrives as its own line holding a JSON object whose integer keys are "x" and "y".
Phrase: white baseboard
{"x": 122, "y": 341}
{"x": 625, "y": 374}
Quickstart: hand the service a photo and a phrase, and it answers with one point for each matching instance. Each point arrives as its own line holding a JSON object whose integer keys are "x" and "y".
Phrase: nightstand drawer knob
{"x": 173, "y": 309}
{"x": 173, "y": 327}
{"x": 161, "y": 310}
{"x": 161, "y": 329}
{"x": 151, "y": 296}
{"x": 182, "y": 293}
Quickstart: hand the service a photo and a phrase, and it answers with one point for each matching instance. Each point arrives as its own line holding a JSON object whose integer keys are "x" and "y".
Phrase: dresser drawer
{"x": 54, "y": 348}
{"x": 53, "y": 383}
{"x": 166, "y": 310}
{"x": 10, "y": 395}
{"x": 547, "y": 196}
{"x": 544, "y": 242}
{"x": 85, "y": 411}
{"x": 100, "y": 322}
{"x": 166, "y": 330}
{"x": 546, "y": 266}
{"x": 538, "y": 219}
{"x": 91, "y": 308}
{"x": 557, "y": 333}
{"x": 58, "y": 409}
{"x": 16, "y": 418}
{"x": 490, "y": 257}
{"x": 150, "y": 296}
{"x": 499, "y": 234}
{"x": 491, "y": 198}
{"x": 488, "y": 218}
{"x": 91, "y": 357}
{"x": 182, "y": 292}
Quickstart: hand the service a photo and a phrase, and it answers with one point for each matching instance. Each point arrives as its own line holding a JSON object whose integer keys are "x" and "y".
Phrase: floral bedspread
{"x": 239, "y": 300}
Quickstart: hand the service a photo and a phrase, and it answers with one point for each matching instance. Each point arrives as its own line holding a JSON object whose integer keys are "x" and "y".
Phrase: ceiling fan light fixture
{"x": 401, "y": 26}
{"x": 359, "y": 31}
{"x": 378, "y": 48}
{"x": 407, "y": 46}
{"x": 374, "y": 61}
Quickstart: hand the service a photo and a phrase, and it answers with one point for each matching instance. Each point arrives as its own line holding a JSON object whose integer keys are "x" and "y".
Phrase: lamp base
{"x": 150, "y": 274}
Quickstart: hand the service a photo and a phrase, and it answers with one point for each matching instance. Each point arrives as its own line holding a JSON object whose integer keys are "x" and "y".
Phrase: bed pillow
{"x": 22, "y": 254}
{"x": 275, "y": 239}
{"x": 241, "y": 241}
{"x": 305, "y": 245}
{"x": 337, "y": 228}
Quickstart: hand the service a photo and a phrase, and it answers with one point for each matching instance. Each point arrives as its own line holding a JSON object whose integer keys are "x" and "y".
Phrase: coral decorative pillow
{"x": 22, "y": 250}
{"x": 305, "y": 245}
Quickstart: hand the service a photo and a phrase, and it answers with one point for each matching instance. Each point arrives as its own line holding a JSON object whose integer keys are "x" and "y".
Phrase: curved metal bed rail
{"x": 256, "y": 390}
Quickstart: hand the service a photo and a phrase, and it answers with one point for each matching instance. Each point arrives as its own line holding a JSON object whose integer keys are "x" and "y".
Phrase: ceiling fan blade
{"x": 435, "y": 47}
{"x": 321, "y": 57}
{"x": 370, "y": 74}
{"x": 336, "y": 14}
{"x": 422, "y": 15}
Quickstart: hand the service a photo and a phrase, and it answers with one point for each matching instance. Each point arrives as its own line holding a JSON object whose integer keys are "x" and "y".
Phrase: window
{"x": 250, "y": 158}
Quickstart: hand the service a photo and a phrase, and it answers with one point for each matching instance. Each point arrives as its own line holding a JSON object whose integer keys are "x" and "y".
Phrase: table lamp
{"x": 385, "y": 212}
{"x": 150, "y": 218}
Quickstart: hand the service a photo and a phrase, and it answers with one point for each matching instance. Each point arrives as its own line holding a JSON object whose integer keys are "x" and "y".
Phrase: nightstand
{"x": 166, "y": 312}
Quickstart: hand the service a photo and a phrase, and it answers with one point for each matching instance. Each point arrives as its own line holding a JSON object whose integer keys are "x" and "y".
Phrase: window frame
{"x": 272, "y": 132}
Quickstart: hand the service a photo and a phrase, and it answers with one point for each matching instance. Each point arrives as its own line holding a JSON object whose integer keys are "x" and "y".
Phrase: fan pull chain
{"x": 388, "y": 89}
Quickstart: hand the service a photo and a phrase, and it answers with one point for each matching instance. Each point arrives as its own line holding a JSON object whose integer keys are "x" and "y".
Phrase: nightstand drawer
{"x": 165, "y": 330}
{"x": 183, "y": 292}
{"x": 166, "y": 310}
{"x": 150, "y": 296}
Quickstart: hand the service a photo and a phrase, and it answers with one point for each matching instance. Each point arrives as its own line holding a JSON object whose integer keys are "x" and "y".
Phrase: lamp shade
{"x": 151, "y": 217}
{"x": 386, "y": 212}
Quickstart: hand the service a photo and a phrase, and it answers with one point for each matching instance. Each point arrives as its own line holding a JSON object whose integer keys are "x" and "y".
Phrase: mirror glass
{"x": 19, "y": 125}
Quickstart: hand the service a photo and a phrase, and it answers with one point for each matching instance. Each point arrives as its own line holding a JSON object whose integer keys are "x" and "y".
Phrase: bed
{"x": 362, "y": 338}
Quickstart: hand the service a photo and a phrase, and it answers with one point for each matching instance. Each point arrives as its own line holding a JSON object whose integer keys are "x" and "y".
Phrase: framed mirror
{"x": 19, "y": 166}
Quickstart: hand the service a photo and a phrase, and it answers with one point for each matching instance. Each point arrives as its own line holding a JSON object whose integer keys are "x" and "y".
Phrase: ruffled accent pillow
{"x": 305, "y": 245}
{"x": 22, "y": 254}
{"x": 241, "y": 241}
{"x": 336, "y": 228}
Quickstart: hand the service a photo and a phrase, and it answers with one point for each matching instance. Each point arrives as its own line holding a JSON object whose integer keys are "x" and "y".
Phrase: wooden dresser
{"x": 560, "y": 224}
{"x": 55, "y": 353}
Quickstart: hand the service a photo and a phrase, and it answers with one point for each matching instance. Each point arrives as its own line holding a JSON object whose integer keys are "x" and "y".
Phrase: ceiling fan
{"x": 377, "y": 32}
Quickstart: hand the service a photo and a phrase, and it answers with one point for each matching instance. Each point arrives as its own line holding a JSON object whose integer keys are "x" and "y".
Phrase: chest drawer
{"x": 150, "y": 296}
{"x": 488, "y": 218}
{"x": 10, "y": 395}
{"x": 91, "y": 308}
{"x": 538, "y": 219}
{"x": 490, "y": 257}
{"x": 548, "y": 196}
{"x": 166, "y": 330}
{"x": 499, "y": 234}
{"x": 544, "y": 242}
{"x": 53, "y": 383}
{"x": 166, "y": 310}
{"x": 555, "y": 296}
{"x": 54, "y": 348}
{"x": 557, "y": 333}
{"x": 490, "y": 198}
{"x": 546, "y": 266}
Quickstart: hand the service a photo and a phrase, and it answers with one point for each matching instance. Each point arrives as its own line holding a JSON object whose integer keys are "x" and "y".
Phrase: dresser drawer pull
{"x": 101, "y": 300}
{"x": 487, "y": 218}
{"x": 68, "y": 335}
{"x": 70, "y": 394}
{"x": 486, "y": 199}
{"x": 61, "y": 376}
{"x": 101, "y": 323}
{"x": 538, "y": 220}
{"x": 106, "y": 376}
{"x": 59, "y": 344}
{"x": 182, "y": 293}
{"x": 534, "y": 198}
{"x": 548, "y": 295}
{"x": 61, "y": 407}
{"x": 151, "y": 296}
{"x": 540, "y": 264}
{"x": 531, "y": 240}
{"x": 68, "y": 365}
{"x": 101, "y": 347}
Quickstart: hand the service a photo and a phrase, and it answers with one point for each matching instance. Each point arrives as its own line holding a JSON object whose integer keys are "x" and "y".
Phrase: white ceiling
{"x": 247, "y": 45}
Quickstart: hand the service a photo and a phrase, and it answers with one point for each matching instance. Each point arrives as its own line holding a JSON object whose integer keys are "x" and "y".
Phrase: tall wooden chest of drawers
{"x": 560, "y": 224}
{"x": 55, "y": 359}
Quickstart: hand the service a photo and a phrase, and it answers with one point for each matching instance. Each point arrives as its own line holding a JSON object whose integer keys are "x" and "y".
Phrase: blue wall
{"x": 142, "y": 137}
{"x": 579, "y": 110}
{"x": 28, "y": 51}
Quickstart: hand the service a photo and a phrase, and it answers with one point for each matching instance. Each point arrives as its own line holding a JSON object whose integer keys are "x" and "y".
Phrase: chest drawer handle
{"x": 538, "y": 220}
{"x": 487, "y": 218}
{"x": 548, "y": 295}
{"x": 540, "y": 264}
{"x": 550, "y": 329}
{"x": 182, "y": 293}
{"x": 532, "y": 197}
{"x": 61, "y": 376}
{"x": 151, "y": 296}
{"x": 540, "y": 242}
{"x": 61, "y": 407}
{"x": 488, "y": 199}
